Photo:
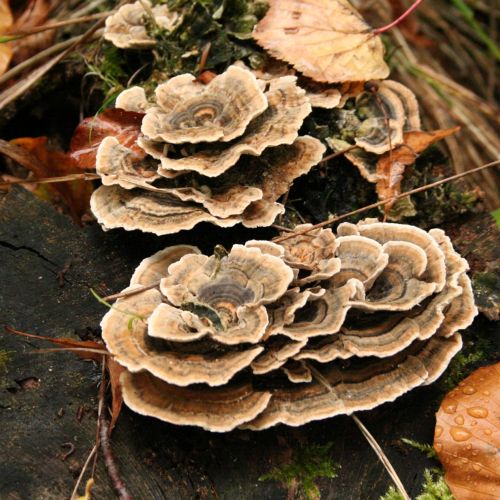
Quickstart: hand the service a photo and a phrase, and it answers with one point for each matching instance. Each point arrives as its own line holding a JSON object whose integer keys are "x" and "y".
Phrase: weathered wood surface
{"x": 156, "y": 460}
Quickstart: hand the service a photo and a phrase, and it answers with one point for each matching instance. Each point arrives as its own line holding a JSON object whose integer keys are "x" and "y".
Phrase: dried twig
{"x": 382, "y": 456}
{"x": 128, "y": 293}
{"x": 56, "y": 25}
{"x": 105, "y": 444}
{"x": 52, "y": 180}
{"x": 384, "y": 202}
{"x": 371, "y": 440}
{"x": 82, "y": 472}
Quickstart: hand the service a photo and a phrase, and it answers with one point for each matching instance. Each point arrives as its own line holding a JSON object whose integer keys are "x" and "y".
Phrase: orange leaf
{"x": 391, "y": 166}
{"x": 68, "y": 343}
{"x": 326, "y": 40}
{"x": 125, "y": 126}
{"x": 6, "y": 20}
{"x": 46, "y": 162}
{"x": 114, "y": 371}
{"x": 467, "y": 436}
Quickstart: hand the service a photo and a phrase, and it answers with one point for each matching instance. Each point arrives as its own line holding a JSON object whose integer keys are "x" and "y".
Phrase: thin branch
{"x": 384, "y": 202}
{"x": 371, "y": 440}
{"x": 382, "y": 456}
{"x": 82, "y": 472}
{"x": 109, "y": 459}
{"x": 12, "y": 93}
{"x": 131, "y": 292}
{"x": 40, "y": 56}
{"x": 338, "y": 153}
{"x": 56, "y": 25}
{"x": 51, "y": 180}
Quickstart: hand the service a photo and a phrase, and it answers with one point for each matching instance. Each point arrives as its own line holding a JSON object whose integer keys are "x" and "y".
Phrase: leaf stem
{"x": 402, "y": 17}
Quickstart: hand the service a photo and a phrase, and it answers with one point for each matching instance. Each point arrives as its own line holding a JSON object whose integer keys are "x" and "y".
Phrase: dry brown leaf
{"x": 114, "y": 371}
{"x": 467, "y": 436}
{"x": 327, "y": 40}
{"x": 35, "y": 14}
{"x": 85, "y": 349}
{"x": 46, "y": 162}
{"x": 391, "y": 166}
{"x": 6, "y": 20}
{"x": 125, "y": 126}
{"x": 89, "y": 350}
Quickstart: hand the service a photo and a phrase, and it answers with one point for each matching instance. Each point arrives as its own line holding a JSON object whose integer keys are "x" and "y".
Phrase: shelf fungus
{"x": 291, "y": 331}
{"x": 223, "y": 153}
{"x": 375, "y": 120}
{"x": 127, "y": 28}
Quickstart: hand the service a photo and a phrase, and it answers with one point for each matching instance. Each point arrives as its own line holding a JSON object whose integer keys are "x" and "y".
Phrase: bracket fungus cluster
{"x": 221, "y": 153}
{"x": 126, "y": 28}
{"x": 308, "y": 327}
{"x": 375, "y": 120}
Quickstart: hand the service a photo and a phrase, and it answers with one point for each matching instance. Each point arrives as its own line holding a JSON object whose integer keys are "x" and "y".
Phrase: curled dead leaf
{"x": 467, "y": 436}
{"x": 35, "y": 14}
{"x": 391, "y": 166}
{"x": 125, "y": 126}
{"x": 327, "y": 40}
{"x": 34, "y": 154}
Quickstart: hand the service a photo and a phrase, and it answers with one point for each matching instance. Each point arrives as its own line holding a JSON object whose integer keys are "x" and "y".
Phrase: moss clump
{"x": 433, "y": 488}
{"x": 308, "y": 465}
{"x": 225, "y": 25}
{"x": 479, "y": 347}
{"x": 426, "y": 448}
{"x": 5, "y": 357}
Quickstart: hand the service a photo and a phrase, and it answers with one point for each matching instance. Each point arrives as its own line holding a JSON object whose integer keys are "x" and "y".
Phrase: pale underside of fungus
{"x": 221, "y": 153}
{"x": 126, "y": 28}
{"x": 315, "y": 326}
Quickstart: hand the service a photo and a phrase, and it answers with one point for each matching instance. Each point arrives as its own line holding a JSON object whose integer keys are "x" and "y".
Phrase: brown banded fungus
{"x": 222, "y": 153}
{"x": 126, "y": 28}
{"x": 290, "y": 332}
{"x": 374, "y": 120}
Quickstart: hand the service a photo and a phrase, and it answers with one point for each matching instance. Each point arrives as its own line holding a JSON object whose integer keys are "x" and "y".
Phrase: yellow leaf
{"x": 327, "y": 40}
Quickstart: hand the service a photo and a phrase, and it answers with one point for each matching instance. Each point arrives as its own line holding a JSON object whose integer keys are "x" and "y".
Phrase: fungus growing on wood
{"x": 242, "y": 339}
{"x": 126, "y": 28}
{"x": 222, "y": 153}
{"x": 375, "y": 120}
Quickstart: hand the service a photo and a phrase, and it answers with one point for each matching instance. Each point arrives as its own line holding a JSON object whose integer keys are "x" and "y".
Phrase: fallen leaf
{"x": 85, "y": 349}
{"x": 6, "y": 20}
{"x": 327, "y": 40}
{"x": 391, "y": 165}
{"x": 125, "y": 126}
{"x": 114, "y": 372}
{"x": 35, "y": 14}
{"x": 467, "y": 436}
{"x": 89, "y": 350}
{"x": 46, "y": 162}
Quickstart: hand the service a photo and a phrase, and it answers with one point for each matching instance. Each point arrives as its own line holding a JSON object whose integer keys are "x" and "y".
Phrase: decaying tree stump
{"x": 48, "y": 401}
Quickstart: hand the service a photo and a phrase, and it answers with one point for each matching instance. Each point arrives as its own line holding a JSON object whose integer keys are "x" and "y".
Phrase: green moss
{"x": 225, "y": 25}
{"x": 433, "y": 488}
{"x": 426, "y": 448}
{"x": 476, "y": 349}
{"x": 308, "y": 465}
{"x": 486, "y": 288}
{"x": 5, "y": 357}
{"x": 496, "y": 216}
